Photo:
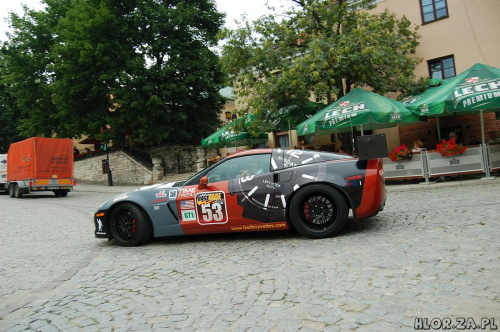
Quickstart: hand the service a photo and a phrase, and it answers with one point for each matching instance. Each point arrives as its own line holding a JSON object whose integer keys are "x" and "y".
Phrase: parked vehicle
{"x": 40, "y": 164}
{"x": 3, "y": 171}
{"x": 253, "y": 190}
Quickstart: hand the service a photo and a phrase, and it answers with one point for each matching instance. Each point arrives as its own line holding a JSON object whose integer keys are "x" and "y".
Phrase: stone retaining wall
{"x": 127, "y": 170}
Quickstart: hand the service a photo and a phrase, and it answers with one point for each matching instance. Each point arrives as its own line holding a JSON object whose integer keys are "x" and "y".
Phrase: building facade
{"x": 455, "y": 34}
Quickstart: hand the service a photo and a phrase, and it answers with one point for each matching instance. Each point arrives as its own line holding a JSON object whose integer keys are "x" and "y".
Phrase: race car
{"x": 252, "y": 190}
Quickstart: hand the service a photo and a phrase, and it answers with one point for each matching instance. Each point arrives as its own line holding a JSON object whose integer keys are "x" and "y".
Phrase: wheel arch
{"x": 328, "y": 184}
{"x": 113, "y": 207}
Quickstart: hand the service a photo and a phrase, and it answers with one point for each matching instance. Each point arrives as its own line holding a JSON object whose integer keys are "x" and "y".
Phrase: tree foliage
{"x": 108, "y": 68}
{"x": 322, "y": 48}
{"x": 9, "y": 120}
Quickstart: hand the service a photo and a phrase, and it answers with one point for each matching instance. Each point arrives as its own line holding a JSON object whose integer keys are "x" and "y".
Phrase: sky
{"x": 233, "y": 8}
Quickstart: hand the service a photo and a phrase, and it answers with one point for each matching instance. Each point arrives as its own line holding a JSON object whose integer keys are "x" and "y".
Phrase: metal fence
{"x": 185, "y": 165}
{"x": 477, "y": 159}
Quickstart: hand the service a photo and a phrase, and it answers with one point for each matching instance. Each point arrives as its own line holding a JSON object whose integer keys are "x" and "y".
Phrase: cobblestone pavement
{"x": 432, "y": 253}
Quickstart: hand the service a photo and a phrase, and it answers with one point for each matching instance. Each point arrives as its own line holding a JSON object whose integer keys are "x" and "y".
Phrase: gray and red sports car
{"x": 252, "y": 190}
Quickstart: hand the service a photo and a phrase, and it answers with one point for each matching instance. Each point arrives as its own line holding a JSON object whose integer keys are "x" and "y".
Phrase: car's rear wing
{"x": 372, "y": 146}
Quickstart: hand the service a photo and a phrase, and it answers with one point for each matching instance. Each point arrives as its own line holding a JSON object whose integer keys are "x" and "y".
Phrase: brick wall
{"x": 465, "y": 126}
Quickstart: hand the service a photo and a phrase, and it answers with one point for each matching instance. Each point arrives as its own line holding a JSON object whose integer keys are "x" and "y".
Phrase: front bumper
{"x": 100, "y": 225}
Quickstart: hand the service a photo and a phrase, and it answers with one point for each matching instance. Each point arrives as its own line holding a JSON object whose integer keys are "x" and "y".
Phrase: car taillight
{"x": 354, "y": 178}
{"x": 74, "y": 182}
{"x": 31, "y": 183}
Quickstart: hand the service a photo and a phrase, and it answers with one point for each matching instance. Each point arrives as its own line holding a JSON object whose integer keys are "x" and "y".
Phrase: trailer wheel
{"x": 17, "y": 191}
{"x": 11, "y": 190}
{"x": 61, "y": 193}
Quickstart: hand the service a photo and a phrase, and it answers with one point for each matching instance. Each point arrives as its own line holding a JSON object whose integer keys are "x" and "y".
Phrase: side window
{"x": 442, "y": 67}
{"x": 237, "y": 167}
{"x": 433, "y": 10}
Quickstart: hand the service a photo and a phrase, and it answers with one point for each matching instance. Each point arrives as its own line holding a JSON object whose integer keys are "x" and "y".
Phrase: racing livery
{"x": 253, "y": 190}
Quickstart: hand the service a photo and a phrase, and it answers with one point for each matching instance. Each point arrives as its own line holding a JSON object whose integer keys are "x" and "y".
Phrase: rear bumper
{"x": 374, "y": 192}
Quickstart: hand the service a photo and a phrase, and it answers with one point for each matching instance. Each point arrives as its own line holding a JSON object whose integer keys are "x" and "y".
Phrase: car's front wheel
{"x": 318, "y": 211}
{"x": 129, "y": 225}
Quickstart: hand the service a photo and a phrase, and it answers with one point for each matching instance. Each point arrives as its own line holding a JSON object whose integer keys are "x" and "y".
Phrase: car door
{"x": 234, "y": 196}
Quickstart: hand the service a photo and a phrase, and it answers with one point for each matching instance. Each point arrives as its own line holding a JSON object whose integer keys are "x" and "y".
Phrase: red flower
{"x": 450, "y": 148}
{"x": 399, "y": 153}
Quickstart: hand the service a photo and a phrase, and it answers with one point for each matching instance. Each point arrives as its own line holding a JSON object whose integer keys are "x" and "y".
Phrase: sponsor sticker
{"x": 120, "y": 197}
{"x": 211, "y": 208}
{"x": 186, "y": 192}
{"x": 188, "y": 212}
{"x": 162, "y": 193}
{"x": 172, "y": 194}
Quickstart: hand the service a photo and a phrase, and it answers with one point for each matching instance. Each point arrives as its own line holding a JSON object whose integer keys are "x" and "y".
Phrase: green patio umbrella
{"x": 233, "y": 134}
{"x": 476, "y": 90}
{"x": 358, "y": 109}
{"x": 289, "y": 116}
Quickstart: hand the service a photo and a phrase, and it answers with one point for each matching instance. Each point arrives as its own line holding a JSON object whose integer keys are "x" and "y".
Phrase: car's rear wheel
{"x": 129, "y": 225}
{"x": 318, "y": 211}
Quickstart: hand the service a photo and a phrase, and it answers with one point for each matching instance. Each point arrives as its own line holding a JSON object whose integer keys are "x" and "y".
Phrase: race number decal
{"x": 211, "y": 208}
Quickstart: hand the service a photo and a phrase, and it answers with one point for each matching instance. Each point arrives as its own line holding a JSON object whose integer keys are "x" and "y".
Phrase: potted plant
{"x": 400, "y": 153}
{"x": 450, "y": 148}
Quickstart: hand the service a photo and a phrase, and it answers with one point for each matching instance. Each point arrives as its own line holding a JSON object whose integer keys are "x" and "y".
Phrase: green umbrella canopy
{"x": 475, "y": 89}
{"x": 286, "y": 117}
{"x": 233, "y": 134}
{"x": 359, "y": 108}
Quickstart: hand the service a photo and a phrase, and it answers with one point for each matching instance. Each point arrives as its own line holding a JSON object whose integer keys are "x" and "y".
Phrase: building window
{"x": 433, "y": 10}
{"x": 442, "y": 67}
{"x": 283, "y": 141}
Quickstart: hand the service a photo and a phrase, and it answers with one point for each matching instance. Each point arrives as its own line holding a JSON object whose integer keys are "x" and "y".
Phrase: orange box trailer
{"x": 40, "y": 164}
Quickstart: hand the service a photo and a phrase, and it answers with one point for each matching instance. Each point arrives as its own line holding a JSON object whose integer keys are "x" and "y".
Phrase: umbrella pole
{"x": 482, "y": 126}
{"x": 486, "y": 156}
{"x": 439, "y": 131}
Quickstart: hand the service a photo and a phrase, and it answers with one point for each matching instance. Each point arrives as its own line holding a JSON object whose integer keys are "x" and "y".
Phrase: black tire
{"x": 318, "y": 211}
{"x": 17, "y": 191}
{"x": 11, "y": 191}
{"x": 129, "y": 225}
{"x": 61, "y": 193}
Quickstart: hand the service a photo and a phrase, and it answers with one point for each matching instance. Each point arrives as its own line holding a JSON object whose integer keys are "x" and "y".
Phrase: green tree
{"x": 107, "y": 68}
{"x": 321, "y": 48}
{"x": 9, "y": 114}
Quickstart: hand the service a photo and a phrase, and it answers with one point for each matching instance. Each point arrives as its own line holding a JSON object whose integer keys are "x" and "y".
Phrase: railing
{"x": 185, "y": 165}
{"x": 431, "y": 164}
{"x": 494, "y": 157}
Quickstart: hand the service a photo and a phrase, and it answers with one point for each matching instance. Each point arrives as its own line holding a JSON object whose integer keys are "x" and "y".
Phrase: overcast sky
{"x": 233, "y": 8}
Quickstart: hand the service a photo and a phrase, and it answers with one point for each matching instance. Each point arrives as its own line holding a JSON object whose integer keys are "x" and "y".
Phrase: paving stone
{"x": 423, "y": 260}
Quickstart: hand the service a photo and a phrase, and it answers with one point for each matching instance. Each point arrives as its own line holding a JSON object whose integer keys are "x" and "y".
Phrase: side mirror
{"x": 203, "y": 183}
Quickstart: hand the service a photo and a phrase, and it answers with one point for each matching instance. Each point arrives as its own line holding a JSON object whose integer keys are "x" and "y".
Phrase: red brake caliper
{"x": 133, "y": 225}
{"x": 307, "y": 213}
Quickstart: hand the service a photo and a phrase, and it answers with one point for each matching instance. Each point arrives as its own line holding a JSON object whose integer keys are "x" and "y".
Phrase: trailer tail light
{"x": 74, "y": 183}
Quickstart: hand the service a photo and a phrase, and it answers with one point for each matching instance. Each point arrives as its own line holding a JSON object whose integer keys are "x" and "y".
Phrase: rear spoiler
{"x": 372, "y": 146}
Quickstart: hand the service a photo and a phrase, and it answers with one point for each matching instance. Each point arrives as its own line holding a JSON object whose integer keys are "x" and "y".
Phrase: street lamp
{"x": 228, "y": 115}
